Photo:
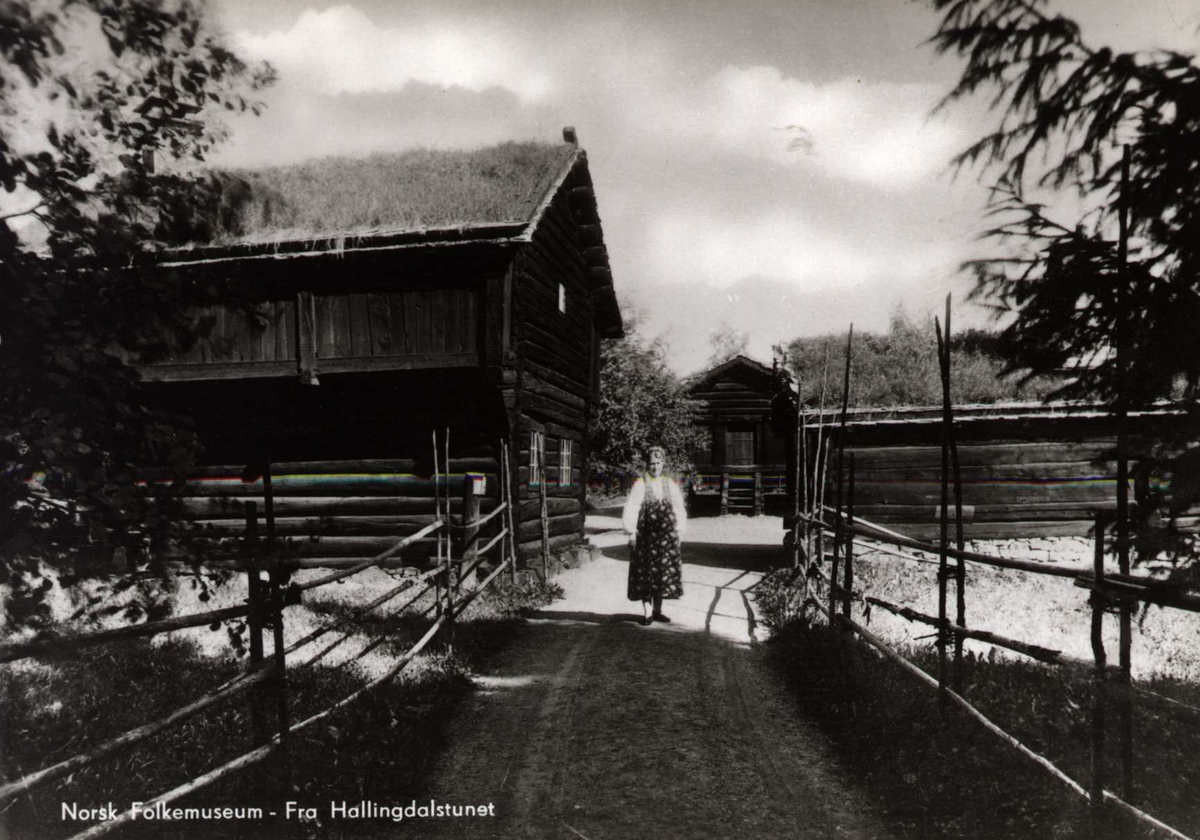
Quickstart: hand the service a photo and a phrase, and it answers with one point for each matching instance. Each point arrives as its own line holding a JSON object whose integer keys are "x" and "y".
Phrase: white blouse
{"x": 658, "y": 488}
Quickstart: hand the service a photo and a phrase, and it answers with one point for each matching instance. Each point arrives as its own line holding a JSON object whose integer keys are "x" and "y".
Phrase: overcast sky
{"x": 712, "y": 213}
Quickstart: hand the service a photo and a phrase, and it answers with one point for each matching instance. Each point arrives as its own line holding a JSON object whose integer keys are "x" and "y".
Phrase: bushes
{"x": 900, "y": 367}
{"x": 514, "y": 600}
{"x": 779, "y": 596}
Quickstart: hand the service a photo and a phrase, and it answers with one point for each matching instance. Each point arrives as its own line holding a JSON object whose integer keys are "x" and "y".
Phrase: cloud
{"x": 874, "y": 133}
{"x": 717, "y": 247}
{"x": 341, "y": 50}
{"x": 623, "y": 82}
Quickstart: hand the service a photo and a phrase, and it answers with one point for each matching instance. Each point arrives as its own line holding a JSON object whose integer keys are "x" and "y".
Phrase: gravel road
{"x": 592, "y": 726}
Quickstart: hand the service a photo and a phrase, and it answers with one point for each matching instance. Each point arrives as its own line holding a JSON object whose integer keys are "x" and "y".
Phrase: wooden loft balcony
{"x": 315, "y": 333}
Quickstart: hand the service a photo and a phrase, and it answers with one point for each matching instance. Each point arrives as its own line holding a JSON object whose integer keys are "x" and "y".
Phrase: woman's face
{"x": 657, "y": 461}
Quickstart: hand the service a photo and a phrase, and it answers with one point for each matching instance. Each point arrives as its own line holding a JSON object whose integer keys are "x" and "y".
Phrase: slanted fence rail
{"x": 1103, "y": 595}
{"x": 820, "y": 532}
{"x": 451, "y": 578}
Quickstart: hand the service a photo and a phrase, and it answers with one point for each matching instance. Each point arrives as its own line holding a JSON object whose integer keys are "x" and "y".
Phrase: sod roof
{"x": 413, "y": 191}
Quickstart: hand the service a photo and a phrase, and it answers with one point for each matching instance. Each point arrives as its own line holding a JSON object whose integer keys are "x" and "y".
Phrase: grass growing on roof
{"x": 415, "y": 190}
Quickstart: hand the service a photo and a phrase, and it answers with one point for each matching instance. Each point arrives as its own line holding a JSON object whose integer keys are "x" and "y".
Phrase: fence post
{"x": 758, "y": 493}
{"x": 470, "y": 550}
{"x": 799, "y": 483}
{"x": 1122, "y": 334}
{"x": 943, "y": 350}
{"x": 847, "y": 596}
{"x": 835, "y": 563}
{"x": 511, "y": 515}
{"x": 724, "y": 494}
{"x": 841, "y": 477}
{"x": 1097, "y": 601}
{"x": 254, "y": 621}
{"x": 277, "y": 579}
{"x": 1125, "y": 695}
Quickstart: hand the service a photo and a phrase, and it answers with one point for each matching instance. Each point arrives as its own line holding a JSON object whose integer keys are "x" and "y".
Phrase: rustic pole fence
{"x": 1102, "y": 585}
{"x": 272, "y": 596}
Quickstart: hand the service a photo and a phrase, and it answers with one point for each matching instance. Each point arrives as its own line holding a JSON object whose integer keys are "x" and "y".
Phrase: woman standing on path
{"x": 655, "y": 519}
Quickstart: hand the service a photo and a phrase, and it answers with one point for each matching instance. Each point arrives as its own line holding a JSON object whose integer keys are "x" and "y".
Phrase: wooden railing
{"x": 452, "y": 581}
{"x": 1106, "y": 588}
{"x": 815, "y": 526}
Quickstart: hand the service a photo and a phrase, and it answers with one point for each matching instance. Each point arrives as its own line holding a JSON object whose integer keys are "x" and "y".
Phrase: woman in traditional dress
{"x": 655, "y": 519}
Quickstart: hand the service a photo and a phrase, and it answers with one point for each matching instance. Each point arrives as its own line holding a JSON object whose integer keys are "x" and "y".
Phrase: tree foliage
{"x": 900, "y": 367}
{"x": 642, "y": 404}
{"x": 1064, "y": 111}
{"x": 94, "y": 93}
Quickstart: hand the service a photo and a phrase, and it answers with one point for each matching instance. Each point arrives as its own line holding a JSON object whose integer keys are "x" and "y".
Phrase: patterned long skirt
{"x": 655, "y": 563}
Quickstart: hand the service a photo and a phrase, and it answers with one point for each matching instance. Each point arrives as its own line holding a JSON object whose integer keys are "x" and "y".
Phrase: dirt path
{"x": 593, "y": 726}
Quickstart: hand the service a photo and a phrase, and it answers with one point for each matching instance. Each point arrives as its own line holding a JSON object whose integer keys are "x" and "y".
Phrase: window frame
{"x": 537, "y": 457}
{"x": 566, "y": 457}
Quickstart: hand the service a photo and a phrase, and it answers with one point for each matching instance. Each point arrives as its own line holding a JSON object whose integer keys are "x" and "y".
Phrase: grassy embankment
{"x": 939, "y": 774}
{"x": 380, "y": 748}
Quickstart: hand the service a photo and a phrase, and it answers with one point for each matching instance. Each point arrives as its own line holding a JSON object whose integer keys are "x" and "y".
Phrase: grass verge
{"x": 939, "y": 774}
{"x": 379, "y": 748}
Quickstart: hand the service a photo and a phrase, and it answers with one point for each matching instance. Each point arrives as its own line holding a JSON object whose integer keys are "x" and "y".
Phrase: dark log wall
{"x": 412, "y": 322}
{"x": 328, "y": 511}
{"x": 352, "y": 458}
{"x": 265, "y": 331}
{"x": 555, "y": 362}
{"x": 1022, "y": 477}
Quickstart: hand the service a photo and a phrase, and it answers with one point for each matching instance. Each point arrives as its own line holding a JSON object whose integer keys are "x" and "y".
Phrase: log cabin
{"x": 352, "y": 309}
{"x": 746, "y": 465}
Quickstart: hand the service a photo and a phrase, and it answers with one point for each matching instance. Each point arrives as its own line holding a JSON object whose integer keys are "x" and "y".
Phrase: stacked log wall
{"x": 1022, "y": 476}
{"x": 555, "y": 374}
{"x": 327, "y": 510}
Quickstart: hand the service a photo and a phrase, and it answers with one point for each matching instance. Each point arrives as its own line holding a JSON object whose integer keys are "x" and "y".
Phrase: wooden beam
{"x": 223, "y": 370}
{"x": 306, "y": 338}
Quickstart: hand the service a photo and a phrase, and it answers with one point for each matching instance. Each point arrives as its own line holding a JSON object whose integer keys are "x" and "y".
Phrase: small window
{"x": 537, "y": 457}
{"x": 739, "y": 448}
{"x": 564, "y": 461}
{"x": 562, "y": 298}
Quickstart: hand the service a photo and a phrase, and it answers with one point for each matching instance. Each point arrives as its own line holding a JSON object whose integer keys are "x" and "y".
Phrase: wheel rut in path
{"x": 593, "y": 726}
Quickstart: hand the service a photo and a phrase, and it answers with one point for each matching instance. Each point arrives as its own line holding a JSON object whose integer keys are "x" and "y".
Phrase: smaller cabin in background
{"x": 745, "y": 466}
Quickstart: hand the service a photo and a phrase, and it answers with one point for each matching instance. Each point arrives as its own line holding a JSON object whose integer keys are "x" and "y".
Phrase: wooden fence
{"x": 270, "y": 593}
{"x": 1106, "y": 591}
{"x": 821, "y": 531}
